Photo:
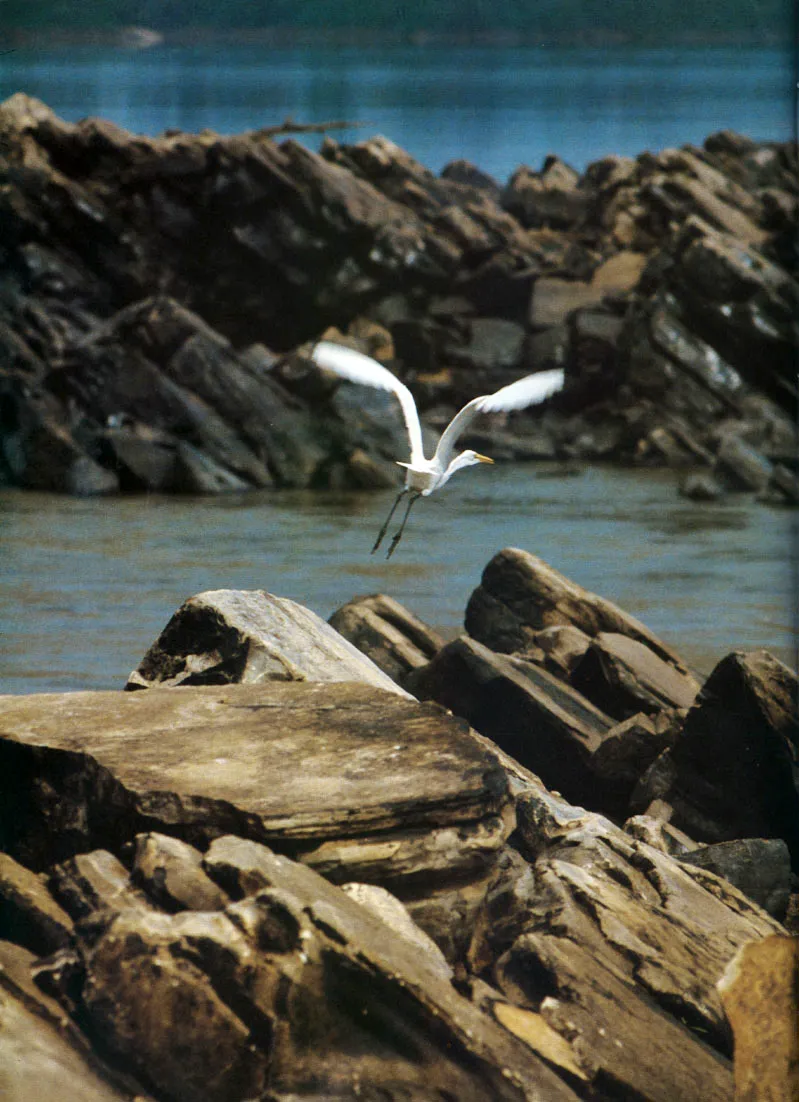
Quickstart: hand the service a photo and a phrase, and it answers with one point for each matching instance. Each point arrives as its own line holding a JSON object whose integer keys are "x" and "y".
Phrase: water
{"x": 495, "y": 107}
{"x": 87, "y": 584}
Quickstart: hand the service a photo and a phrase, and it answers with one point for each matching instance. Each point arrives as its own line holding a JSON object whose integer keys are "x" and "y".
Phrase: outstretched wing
{"x": 358, "y": 368}
{"x": 529, "y": 391}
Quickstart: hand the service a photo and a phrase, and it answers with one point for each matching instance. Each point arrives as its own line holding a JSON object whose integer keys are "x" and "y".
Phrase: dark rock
{"x": 730, "y": 772}
{"x": 393, "y": 638}
{"x": 535, "y": 718}
{"x": 626, "y": 752}
{"x": 464, "y": 172}
{"x": 760, "y": 867}
{"x": 29, "y": 916}
{"x": 227, "y": 636}
{"x": 622, "y": 676}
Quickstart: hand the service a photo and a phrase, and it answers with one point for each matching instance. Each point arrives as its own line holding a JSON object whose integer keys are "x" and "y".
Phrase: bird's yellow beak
{"x": 482, "y": 458}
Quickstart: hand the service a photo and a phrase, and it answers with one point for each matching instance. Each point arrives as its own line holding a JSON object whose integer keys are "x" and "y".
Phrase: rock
{"x": 700, "y": 486}
{"x": 551, "y": 198}
{"x": 729, "y": 774}
{"x": 758, "y": 991}
{"x": 535, "y": 718}
{"x": 626, "y": 752}
{"x": 520, "y": 594}
{"x": 89, "y": 882}
{"x": 29, "y": 916}
{"x": 211, "y": 760}
{"x": 741, "y": 467}
{"x": 616, "y": 949}
{"x": 388, "y": 909}
{"x": 393, "y": 638}
{"x": 237, "y": 990}
{"x": 622, "y": 676}
{"x": 42, "y": 1055}
{"x": 554, "y": 299}
{"x": 562, "y": 647}
{"x": 659, "y": 834}
{"x": 760, "y": 867}
{"x": 227, "y": 636}
{"x": 171, "y": 873}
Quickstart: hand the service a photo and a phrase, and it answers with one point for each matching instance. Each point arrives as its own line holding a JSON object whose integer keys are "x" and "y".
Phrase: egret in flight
{"x": 424, "y": 476}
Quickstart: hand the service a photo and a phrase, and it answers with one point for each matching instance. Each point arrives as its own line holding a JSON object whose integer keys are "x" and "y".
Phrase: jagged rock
{"x": 622, "y": 676}
{"x": 171, "y": 873}
{"x": 95, "y": 881}
{"x": 42, "y": 1053}
{"x": 393, "y": 792}
{"x": 730, "y": 772}
{"x": 233, "y": 994}
{"x": 392, "y": 637}
{"x": 29, "y": 916}
{"x": 760, "y": 867}
{"x": 520, "y": 594}
{"x": 616, "y": 953}
{"x": 626, "y": 751}
{"x": 661, "y": 835}
{"x": 226, "y": 636}
{"x": 741, "y": 467}
{"x": 534, "y": 717}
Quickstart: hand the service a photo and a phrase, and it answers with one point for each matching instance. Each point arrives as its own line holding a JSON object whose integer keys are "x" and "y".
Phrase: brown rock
{"x": 228, "y": 636}
{"x": 29, "y": 916}
{"x": 171, "y": 873}
{"x": 393, "y": 638}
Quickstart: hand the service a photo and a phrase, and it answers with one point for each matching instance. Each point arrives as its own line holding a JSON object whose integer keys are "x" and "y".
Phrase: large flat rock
{"x": 295, "y": 765}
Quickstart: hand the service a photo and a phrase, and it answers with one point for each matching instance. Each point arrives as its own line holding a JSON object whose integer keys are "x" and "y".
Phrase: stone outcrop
{"x": 158, "y": 294}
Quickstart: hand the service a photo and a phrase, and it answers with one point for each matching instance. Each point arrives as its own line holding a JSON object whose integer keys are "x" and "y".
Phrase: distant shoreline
{"x": 293, "y": 37}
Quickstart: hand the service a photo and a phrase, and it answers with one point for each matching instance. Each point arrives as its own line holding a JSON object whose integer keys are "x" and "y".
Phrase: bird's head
{"x": 468, "y": 459}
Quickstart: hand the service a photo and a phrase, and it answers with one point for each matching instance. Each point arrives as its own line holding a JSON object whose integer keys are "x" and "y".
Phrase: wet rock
{"x": 29, "y": 916}
{"x": 729, "y": 774}
{"x": 622, "y": 676}
{"x": 227, "y": 636}
{"x": 171, "y": 873}
{"x": 520, "y": 594}
{"x": 391, "y": 636}
{"x": 760, "y": 867}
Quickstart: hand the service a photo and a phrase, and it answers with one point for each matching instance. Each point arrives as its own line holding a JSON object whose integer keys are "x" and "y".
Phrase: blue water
{"x": 86, "y": 585}
{"x": 496, "y": 107}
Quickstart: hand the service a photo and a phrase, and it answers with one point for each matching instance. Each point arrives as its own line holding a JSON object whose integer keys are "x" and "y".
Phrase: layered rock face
{"x": 272, "y": 872}
{"x": 157, "y": 295}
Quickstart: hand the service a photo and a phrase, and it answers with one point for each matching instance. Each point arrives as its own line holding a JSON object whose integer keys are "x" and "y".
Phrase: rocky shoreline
{"x": 158, "y": 297}
{"x": 350, "y": 860}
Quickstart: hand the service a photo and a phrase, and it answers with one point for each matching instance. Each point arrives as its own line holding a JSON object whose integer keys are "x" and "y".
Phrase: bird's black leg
{"x": 398, "y": 534}
{"x": 387, "y": 521}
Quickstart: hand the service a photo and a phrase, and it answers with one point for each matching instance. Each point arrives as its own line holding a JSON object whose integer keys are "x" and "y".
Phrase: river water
{"x": 86, "y": 585}
{"x": 496, "y": 107}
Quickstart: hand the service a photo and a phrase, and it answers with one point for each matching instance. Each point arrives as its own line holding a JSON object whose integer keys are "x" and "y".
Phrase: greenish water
{"x": 86, "y": 585}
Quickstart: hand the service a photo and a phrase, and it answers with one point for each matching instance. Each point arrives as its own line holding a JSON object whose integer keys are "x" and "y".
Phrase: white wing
{"x": 529, "y": 391}
{"x": 358, "y": 368}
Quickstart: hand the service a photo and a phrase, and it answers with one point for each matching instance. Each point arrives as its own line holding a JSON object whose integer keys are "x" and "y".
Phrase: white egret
{"x": 423, "y": 476}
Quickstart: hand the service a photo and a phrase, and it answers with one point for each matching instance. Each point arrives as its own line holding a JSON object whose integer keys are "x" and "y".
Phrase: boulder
{"x": 210, "y": 760}
{"x": 622, "y": 676}
{"x": 391, "y": 636}
{"x": 520, "y": 594}
{"x": 760, "y": 867}
{"x": 29, "y": 915}
{"x": 730, "y": 773}
{"x": 226, "y": 636}
{"x": 534, "y": 717}
{"x": 171, "y": 873}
